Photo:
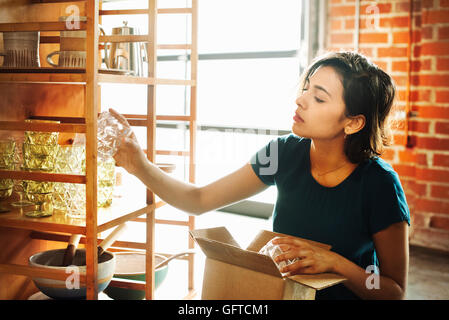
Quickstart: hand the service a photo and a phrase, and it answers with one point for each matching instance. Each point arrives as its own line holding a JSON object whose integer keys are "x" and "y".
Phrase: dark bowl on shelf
{"x": 70, "y": 288}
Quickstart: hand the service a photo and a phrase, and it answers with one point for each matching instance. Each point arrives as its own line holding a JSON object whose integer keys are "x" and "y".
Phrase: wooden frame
{"x": 99, "y": 220}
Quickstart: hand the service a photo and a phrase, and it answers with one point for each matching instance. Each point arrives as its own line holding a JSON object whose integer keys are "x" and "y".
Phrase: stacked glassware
{"x": 7, "y": 155}
{"x": 39, "y": 153}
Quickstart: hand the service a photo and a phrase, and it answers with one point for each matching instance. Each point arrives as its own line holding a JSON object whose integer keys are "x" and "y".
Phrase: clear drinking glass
{"x": 7, "y": 154}
{"x": 39, "y": 151}
{"x": 39, "y": 157}
{"x": 105, "y": 181}
{"x": 18, "y": 185}
{"x": 44, "y": 201}
{"x": 70, "y": 160}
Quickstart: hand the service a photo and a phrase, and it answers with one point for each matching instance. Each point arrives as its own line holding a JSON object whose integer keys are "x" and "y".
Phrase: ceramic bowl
{"x": 131, "y": 265}
{"x": 70, "y": 289}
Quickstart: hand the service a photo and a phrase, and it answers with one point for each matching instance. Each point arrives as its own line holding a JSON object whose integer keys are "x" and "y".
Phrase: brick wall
{"x": 423, "y": 162}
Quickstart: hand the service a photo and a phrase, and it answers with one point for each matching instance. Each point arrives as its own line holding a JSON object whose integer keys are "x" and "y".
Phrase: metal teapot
{"x": 125, "y": 56}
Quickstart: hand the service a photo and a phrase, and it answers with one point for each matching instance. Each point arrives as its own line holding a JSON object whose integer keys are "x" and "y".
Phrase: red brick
{"x": 350, "y": 24}
{"x": 417, "y": 188}
{"x": 427, "y": 3}
{"x": 420, "y": 220}
{"x": 439, "y": 222}
{"x": 421, "y": 158}
{"x": 444, "y": 3}
{"x": 435, "y": 16}
{"x": 431, "y": 238}
{"x": 340, "y": 11}
{"x": 442, "y": 127}
{"x": 399, "y": 139}
{"x": 402, "y": 7}
{"x": 367, "y": 51}
{"x": 420, "y": 95}
{"x": 421, "y": 65}
{"x": 388, "y": 154}
{"x": 435, "y": 80}
{"x": 407, "y": 156}
{"x": 443, "y": 33}
{"x": 395, "y": 22}
{"x": 399, "y": 80}
{"x": 431, "y": 112}
{"x": 433, "y": 143}
{"x": 401, "y": 37}
{"x": 419, "y": 126}
{"x": 427, "y": 32}
{"x": 442, "y": 96}
{"x": 440, "y": 160}
{"x": 404, "y": 170}
{"x": 402, "y": 65}
{"x": 337, "y": 38}
{"x": 381, "y": 8}
{"x": 440, "y": 192}
{"x": 434, "y": 206}
{"x": 432, "y": 175}
{"x": 392, "y": 52}
{"x": 336, "y": 24}
{"x": 399, "y": 66}
{"x": 374, "y": 37}
{"x": 435, "y": 48}
{"x": 442, "y": 64}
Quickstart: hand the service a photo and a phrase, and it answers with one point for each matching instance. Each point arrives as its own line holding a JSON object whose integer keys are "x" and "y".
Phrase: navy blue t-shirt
{"x": 346, "y": 216}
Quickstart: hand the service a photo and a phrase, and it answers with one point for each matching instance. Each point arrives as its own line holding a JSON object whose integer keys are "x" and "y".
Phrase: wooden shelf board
{"x": 57, "y": 78}
{"x": 80, "y": 78}
{"x": 145, "y": 11}
{"x": 120, "y": 211}
{"x": 42, "y": 176}
{"x": 38, "y": 26}
{"x": 42, "y": 127}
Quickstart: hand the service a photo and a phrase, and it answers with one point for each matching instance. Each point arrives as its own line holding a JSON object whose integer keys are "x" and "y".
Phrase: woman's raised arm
{"x": 188, "y": 197}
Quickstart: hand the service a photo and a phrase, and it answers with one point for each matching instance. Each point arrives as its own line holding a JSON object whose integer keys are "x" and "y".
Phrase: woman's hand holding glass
{"x": 129, "y": 154}
{"x": 312, "y": 259}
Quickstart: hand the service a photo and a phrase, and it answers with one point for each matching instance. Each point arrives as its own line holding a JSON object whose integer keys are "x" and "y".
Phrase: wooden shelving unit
{"x": 59, "y": 227}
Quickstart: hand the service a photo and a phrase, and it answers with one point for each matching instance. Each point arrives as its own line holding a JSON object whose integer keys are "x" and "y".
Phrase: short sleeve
{"x": 265, "y": 162}
{"x": 387, "y": 204}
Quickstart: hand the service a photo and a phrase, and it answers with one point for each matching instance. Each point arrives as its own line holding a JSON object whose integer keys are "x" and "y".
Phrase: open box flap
{"x": 264, "y": 236}
{"x": 220, "y": 234}
{"x": 318, "y": 281}
{"x": 234, "y": 255}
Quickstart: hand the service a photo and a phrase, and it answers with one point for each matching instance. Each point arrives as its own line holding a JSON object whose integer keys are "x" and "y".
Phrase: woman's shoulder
{"x": 292, "y": 141}
{"x": 380, "y": 172}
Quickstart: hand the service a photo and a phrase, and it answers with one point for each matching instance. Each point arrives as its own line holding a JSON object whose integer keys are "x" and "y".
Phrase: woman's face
{"x": 320, "y": 112}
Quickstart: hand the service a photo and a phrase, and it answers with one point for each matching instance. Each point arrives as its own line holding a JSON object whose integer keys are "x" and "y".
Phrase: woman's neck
{"x": 328, "y": 154}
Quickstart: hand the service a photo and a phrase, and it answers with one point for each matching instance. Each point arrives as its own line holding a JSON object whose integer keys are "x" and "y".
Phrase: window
{"x": 251, "y": 54}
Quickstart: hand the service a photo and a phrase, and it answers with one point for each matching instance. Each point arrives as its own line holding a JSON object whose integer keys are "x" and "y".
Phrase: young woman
{"x": 332, "y": 187}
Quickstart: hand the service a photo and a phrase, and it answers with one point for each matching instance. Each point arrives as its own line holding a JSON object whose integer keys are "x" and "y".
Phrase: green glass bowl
{"x": 131, "y": 266}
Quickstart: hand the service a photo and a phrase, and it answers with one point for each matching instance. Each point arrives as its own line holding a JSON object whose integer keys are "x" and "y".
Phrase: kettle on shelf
{"x": 126, "y": 56}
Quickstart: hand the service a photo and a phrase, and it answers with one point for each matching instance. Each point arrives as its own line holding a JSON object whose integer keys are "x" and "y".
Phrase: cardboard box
{"x": 233, "y": 273}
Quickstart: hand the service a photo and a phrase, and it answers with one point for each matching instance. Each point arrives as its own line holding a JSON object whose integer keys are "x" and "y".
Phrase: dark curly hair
{"x": 367, "y": 91}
